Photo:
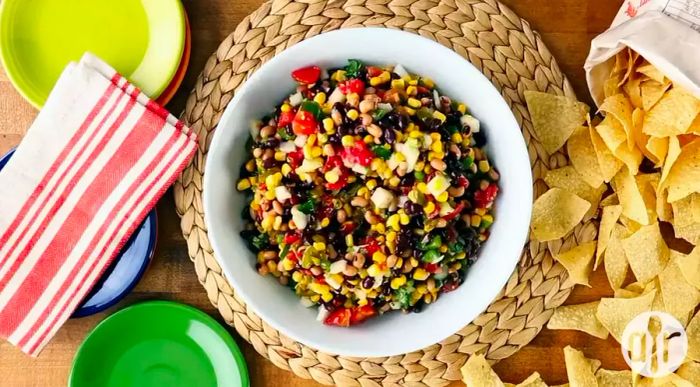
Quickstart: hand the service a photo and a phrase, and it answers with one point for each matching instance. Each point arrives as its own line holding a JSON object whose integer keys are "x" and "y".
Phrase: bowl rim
{"x": 520, "y": 240}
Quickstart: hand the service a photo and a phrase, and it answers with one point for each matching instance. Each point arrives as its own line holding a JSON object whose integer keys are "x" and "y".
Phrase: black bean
{"x": 269, "y": 163}
{"x": 368, "y": 282}
{"x": 418, "y": 307}
{"x": 271, "y": 143}
{"x": 435, "y": 125}
{"x": 479, "y": 139}
{"x": 402, "y": 122}
{"x": 395, "y": 76}
{"x": 389, "y": 136}
{"x": 413, "y": 208}
{"x": 407, "y": 180}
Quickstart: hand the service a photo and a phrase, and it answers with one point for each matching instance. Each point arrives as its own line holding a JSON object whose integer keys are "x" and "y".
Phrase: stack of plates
{"x": 146, "y": 41}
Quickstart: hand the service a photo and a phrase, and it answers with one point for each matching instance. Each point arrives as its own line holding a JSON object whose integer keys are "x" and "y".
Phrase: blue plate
{"x": 126, "y": 270}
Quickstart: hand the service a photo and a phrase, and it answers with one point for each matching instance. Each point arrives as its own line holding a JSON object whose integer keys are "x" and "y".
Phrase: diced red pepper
{"x": 483, "y": 198}
{"x": 285, "y": 118}
{"x": 340, "y": 184}
{"x": 462, "y": 182}
{"x": 347, "y": 227}
{"x": 307, "y": 75}
{"x": 332, "y": 162}
{"x": 359, "y": 153}
{"x": 450, "y": 286}
{"x": 373, "y": 71}
{"x": 422, "y": 90}
{"x": 293, "y": 256}
{"x": 455, "y": 213}
{"x": 290, "y": 238}
{"x": 352, "y": 86}
{"x": 361, "y": 313}
{"x": 304, "y": 123}
{"x": 432, "y": 268}
{"x": 339, "y": 317}
{"x": 372, "y": 245}
{"x": 296, "y": 158}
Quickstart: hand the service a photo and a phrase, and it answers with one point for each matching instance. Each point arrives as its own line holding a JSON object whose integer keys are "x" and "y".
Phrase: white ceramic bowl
{"x": 393, "y": 333}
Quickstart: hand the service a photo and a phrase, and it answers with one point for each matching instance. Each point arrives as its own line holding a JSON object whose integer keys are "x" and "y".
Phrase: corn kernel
{"x": 414, "y": 103}
{"x": 461, "y": 255}
{"x": 404, "y": 219}
{"x": 398, "y": 84}
{"x": 391, "y": 236}
{"x": 428, "y": 169}
{"x": 278, "y": 223}
{"x": 368, "y": 139}
{"x": 315, "y": 298}
{"x": 362, "y": 302}
{"x": 325, "y": 222}
{"x": 352, "y": 114}
{"x": 378, "y": 257}
{"x": 457, "y": 138}
{"x": 327, "y": 297}
{"x": 380, "y": 228}
{"x": 338, "y": 75}
{"x": 475, "y": 220}
{"x": 322, "y": 138}
{"x": 376, "y": 81}
{"x": 422, "y": 187}
{"x": 316, "y": 151}
{"x": 443, "y": 249}
{"x": 400, "y": 157}
{"x": 297, "y": 276}
{"x": 429, "y": 208}
{"x": 487, "y": 218}
{"x": 483, "y": 166}
{"x": 439, "y": 116}
{"x": 319, "y": 246}
{"x": 420, "y": 274}
{"x": 348, "y": 240}
{"x": 394, "y": 181}
{"x": 422, "y": 289}
{"x": 480, "y": 211}
{"x": 373, "y": 270}
{"x": 288, "y": 264}
{"x": 419, "y": 166}
{"x": 243, "y": 184}
{"x": 328, "y": 124}
{"x": 272, "y": 266}
{"x": 270, "y": 195}
{"x": 319, "y": 288}
{"x": 286, "y": 108}
{"x": 347, "y": 140}
{"x": 442, "y": 198}
{"x": 280, "y": 156}
{"x": 409, "y": 111}
{"x": 398, "y": 282}
{"x": 320, "y": 98}
{"x": 415, "y": 134}
{"x": 461, "y": 108}
{"x": 393, "y": 222}
{"x": 411, "y": 90}
{"x": 427, "y": 82}
{"x": 413, "y": 82}
{"x": 286, "y": 168}
{"x": 332, "y": 176}
{"x": 363, "y": 191}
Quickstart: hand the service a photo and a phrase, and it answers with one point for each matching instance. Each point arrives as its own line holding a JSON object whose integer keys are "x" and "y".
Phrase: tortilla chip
{"x": 634, "y": 91}
{"x": 615, "y": 261}
{"x": 631, "y": 199}
{"x": 578, "y": 368}
{"x": 690, "y": 371}
{"x": 554, "y": 118}
{"x": 610, "y": 200}
{"x": 652, "y": 72}
{"x": 631, "y": 158}
{"x": 567, "y": 178}
{"x": 583, "y": 157}
{"x": 684, "y": 177}
{"x": 608, "y": 378}
{"x": 656, "y": 149}
{"x": 663, "y": 209}
{"x": 647, "y": 184}
{"x": 612, "y": 132}
{"x": 579, "y": 317}
{"x": 673, "y": 114}
{"x": 607, "y": 222}
{"x": 679, "y": 296}
{"x": 616, "y": 313}
{"x": 624, "y": 293}
{"x": 477, "y": 372}
{"x": 611, "y": 86}
{"x": 695, "y": 126}
{"x": 693, "y": 333}
{"x": 534, "y": 380}
{"x": 690, "y": 233}
{"x": 652, "y": 92}
{"x": 620, "y": 108}
{"x": 646, "y": 252}
{"x": 578, "y": 262}
{"x": 555, "y": 213}
{"x": 687, "y": 210}
{"x": 691, "y": 267}
{"x": 674, "y": 150}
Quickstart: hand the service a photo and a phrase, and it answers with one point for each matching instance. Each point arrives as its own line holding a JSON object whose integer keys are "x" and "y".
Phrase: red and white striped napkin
{"x": 93, "y": 164}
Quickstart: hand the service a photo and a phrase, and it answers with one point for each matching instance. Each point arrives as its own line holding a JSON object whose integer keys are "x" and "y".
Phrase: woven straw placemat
{"x": 511, "y": 55}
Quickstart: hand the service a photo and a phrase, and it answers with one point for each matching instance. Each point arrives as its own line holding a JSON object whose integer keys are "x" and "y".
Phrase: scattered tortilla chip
{"x": 608, "y": 378}
{"x": 554, "y": 118}
{"x": 610, "y": 200}
{"x": 607, "y": 222}
{"x": 652, "y": 72}
{"x": 619, "y": 107}
{"x": 615, "y": 261}
{"x": 611, "y": 86}
{"x": 647, "y": 184}
{"x": 684, "y": 177}
{"x": 555, "y": 213}
{"x": 631, "y": 158}
{"x": 646, "y": 252}
{"x": 695, "y": 126}
{"x": 687, "y": 210}
{"x": 607, "y": 162}
{"x": 578, "y": 261}
{"x": 679, "y": 296}
{"x": 691, "y": 267}
{"x": 568, "y": 179}
{"x": 578, "y": 369}
{"x": 630, "y": 197}
{"x": 690, "y": 371}
{"x": 583, "y": 157}
{"x": 579, "y": 317}
{"x": 612, "y": 132}
{"x": 477, "y": 372}
{"x": 663, "y": 209}
{"x": 652, "y": 92}
{"x": 673, "y": 114}
{"x": 690, "y": 233}
{"x": 693, "y": 333}
{"x": 534, "y": 380}
{"x": 624, "y": 293}
{"x": 616, "y": 313}
{"x": 656, "y": 147}
{"x": 674, "y": 150}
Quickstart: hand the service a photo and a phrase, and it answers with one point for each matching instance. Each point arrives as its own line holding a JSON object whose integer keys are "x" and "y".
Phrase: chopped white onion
{"x": 361, "y": 169}
{"x": 436, "y": 99}
{"x": 400, "y": 70}
{"x": 288, "y": 147}
{"x": 402, "y": 200}
{"x": 336, "y": 96}
{"x": 385, "y": 106}
{"x": 300, "y": 219}
{"x": 254, "y": 128}
{"x": 332, "y": 282}
{"x": 306, "y": 302}
{"x": 296, "y": 99}
{"x": 309, "y": 165}
{"x": 438, "y": 184}
{"x": 471, "y": 122}
{"x": 338, "y": 266}
{"x": 300, "y": 141}
{"x": 382, "y": 198}
{"x": 282, "y": 194}
{"x": 322, "y": 313}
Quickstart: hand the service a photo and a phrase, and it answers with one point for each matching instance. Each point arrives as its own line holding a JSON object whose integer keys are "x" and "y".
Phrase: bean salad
{"x": 368, "y": 191}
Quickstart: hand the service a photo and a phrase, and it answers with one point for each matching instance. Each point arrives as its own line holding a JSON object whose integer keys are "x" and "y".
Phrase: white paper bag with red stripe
{"x": 93, "y": 164}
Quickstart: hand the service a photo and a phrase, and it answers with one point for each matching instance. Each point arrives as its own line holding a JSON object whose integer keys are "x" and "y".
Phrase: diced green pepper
{"x": 285, "y": 136}
{"x": 308, "y": 206}
{"x": 312, "y": 107}
{"x": 431, "y": 256}
{"x": 260, "y": 241}
{"x": 420, "y": 175}
{"x": 379, "y": 114}
{"x": 424, "y": 113}
{"x": 283, "y": 253}
{"x": 435, "y": 243}
{"x": 381, "y": 152}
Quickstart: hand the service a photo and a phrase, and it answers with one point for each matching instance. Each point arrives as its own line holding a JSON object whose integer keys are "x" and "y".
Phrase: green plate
{"x": 142, "y": 39}
{"x": 159, "y": 343}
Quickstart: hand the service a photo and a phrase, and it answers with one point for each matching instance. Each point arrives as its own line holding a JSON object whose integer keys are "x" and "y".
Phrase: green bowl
{"x": 142, "y": 39}
{"x": 156, "y": 344}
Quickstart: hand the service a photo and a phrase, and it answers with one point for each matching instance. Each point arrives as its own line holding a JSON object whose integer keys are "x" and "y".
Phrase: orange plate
{"x": 175, "y": 83}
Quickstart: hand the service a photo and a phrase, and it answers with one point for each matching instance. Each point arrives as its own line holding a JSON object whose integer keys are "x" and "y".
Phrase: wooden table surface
{"x": 567, "y": 27}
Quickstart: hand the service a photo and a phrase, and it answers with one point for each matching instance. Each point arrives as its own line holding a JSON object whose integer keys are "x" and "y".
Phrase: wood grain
{"x": 567, "y": 26}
